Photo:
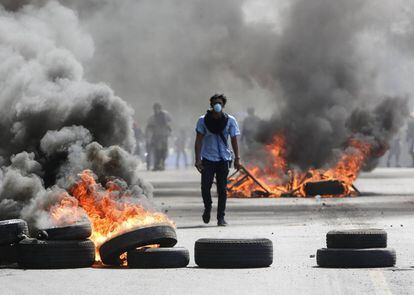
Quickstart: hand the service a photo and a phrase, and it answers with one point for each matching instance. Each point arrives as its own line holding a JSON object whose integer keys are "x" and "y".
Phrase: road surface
{"x": 297, "y": 228}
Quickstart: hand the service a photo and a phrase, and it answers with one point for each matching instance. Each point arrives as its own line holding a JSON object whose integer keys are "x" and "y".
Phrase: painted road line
{"x": 380, "y": 282}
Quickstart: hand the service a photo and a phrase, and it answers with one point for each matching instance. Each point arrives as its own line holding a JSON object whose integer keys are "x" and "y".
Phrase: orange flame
{"x": 111, "y": 210}
{"x": 279, "y": 180}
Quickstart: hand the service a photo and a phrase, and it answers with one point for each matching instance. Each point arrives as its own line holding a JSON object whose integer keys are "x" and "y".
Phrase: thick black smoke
{"x": 329, "y": 87}
{"x": 323, "y": 61}
{"x": 54, "y": 124}
{"x": 323, "y": 66}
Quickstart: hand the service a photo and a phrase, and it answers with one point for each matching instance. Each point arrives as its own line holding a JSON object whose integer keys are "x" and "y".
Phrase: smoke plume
{"x": 329, "y": 90}
{"x": 332, "y": 70}
{"x": 317, "y": 63}
{"x": 54, "y": 124}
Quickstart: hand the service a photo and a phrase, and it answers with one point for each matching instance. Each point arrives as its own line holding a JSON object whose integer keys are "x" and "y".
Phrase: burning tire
{"x": 8, "y": 254}
{"x": 327, "y": 187}
{"x": 231, "y": 253}
{"x": 158, "y": 258}
{"x": 80, "y": 231}
{"x": 163, "y": 235}
{"x": 357, "y": 238}
{"x": 37, "y": 254}
{"x": 356, "y": 258}
{"x": 12, "y": 231}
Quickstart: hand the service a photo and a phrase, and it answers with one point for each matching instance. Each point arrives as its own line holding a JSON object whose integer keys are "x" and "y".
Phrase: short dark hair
{"x": 219, "y": 96}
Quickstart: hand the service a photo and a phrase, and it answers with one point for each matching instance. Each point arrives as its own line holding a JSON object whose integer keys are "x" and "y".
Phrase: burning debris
{"x": 276, "y": 179}
{"x": 333, "y": 119}
{"x": 66, "y": 144}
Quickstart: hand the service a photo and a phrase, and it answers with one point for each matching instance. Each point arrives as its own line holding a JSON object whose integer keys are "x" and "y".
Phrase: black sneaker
{"x": 206, "y": 215}
{"x": 222, "y": 222}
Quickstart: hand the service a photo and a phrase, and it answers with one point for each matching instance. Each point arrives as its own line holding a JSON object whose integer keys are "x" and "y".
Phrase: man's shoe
{"x": 206, "y": 215}
{"x": 222, "y": 222}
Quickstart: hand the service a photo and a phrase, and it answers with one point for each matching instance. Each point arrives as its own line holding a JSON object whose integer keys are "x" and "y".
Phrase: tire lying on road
{"x": 356, "y": 258}
{"x": 158, "y": 258}
{"x": 233, "y": 253}
{"x": 37, "y": 254}
{"x": 357, "y": 238}
{"x": 80, "y": 231}
{"x": 8, "y": 254}
{"x": 12, "y": 231}
{"x": 161, "y": 234}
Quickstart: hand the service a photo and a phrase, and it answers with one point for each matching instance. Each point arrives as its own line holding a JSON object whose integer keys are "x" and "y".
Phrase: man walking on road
{"x": 157, "y": 132}
{"x": 213, "y": 155}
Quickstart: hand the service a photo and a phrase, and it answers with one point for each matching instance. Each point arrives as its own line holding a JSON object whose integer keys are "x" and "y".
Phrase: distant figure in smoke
{"x": 249, "y": 129}
{"x": 410, "y": 136}
{"x": 139, "y": 137}
{"x": 394, "y": 151}
{"x": 180, "y": 145}
{"x": 157, "y": 132}
{"x": 213, "y": 155}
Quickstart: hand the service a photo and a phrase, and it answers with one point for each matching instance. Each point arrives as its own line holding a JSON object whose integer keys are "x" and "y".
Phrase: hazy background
{"x": 180, "y": 52}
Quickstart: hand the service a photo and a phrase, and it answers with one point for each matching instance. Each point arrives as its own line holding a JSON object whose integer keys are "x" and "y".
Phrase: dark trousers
{"x": 221, "y": 171}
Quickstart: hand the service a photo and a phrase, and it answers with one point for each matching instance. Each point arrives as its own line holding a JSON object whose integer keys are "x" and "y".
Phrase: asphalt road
{"x": 297, "y": 228}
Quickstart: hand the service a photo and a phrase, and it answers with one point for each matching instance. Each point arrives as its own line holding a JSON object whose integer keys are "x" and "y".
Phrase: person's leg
{"x": 389, "y": 158}
{"x": 185, "y": 158}
{"x": 177, "y": 159}
{"x": 157, "y": 159}
{"x": 148, "y": 157}
{"x": 222, "y": 173}
{"x": 207, "y": 177}
{"x": 163, "y": 153}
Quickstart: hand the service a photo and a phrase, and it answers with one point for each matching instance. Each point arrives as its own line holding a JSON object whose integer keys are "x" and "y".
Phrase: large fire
{"x": 278, "y": 180}
{"x": 111, "y": 209}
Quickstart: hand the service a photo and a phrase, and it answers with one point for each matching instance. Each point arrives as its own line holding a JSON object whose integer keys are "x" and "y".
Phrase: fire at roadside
{"x": 66, "y": 148}
{"x": 276, "y": 179}
{"x": 112, "y": 210}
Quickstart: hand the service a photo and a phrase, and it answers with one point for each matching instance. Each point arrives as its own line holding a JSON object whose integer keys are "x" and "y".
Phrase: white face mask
{"x": 217, "y": 108}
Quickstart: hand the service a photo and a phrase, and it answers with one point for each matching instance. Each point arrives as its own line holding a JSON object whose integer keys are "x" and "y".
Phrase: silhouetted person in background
{"x": 157, "y": 132}
{"x": 394, "y": 151}
{"x": 213, "y": 154}
{"x": 410, "y": 137}
{"x": 249, "y": 129}
{"x": 180, "y": 146}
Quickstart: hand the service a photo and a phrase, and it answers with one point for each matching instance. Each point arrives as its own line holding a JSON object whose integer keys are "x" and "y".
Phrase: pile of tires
{"x": 64, "y": 247}
{"x": 358, "y": 248}
{"x": 58, "y": 247}
{"x": 11, "y": 233}
{"x": 146, "y": 247}
{"x": 233, "y": 253}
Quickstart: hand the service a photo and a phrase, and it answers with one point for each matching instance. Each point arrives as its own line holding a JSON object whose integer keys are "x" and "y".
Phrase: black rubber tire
{"x": 158, "y": 258}
{"x": 161, "y": 234}
{"x": 12, "y": 231}
{"x": 8, "y": 254}
{"x": 79, "y": 231}
{"x": 357, "y": 238}
{"x": 356, "y": 258}
{"x": 233, "y": 253}
{"x": 37, "y": 254}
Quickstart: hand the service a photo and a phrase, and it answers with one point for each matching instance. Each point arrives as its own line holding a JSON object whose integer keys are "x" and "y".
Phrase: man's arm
{"x": 197, "y": 148}
{"x": 235, "y": 145}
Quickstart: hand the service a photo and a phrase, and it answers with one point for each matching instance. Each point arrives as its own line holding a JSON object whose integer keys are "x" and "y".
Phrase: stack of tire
{"x": 62, "y": 247}
{"x": 357, "y": 248}
{"x": 137, "y": 244}
{"x": 11, "y": 233}
{"x": 58, "y": 247}
{"x": 233, "y": 253}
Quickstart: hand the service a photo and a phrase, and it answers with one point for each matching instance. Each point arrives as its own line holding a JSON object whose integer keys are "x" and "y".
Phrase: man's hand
{"x": 237, "y": 164}
{"x": 199, "y": 166}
